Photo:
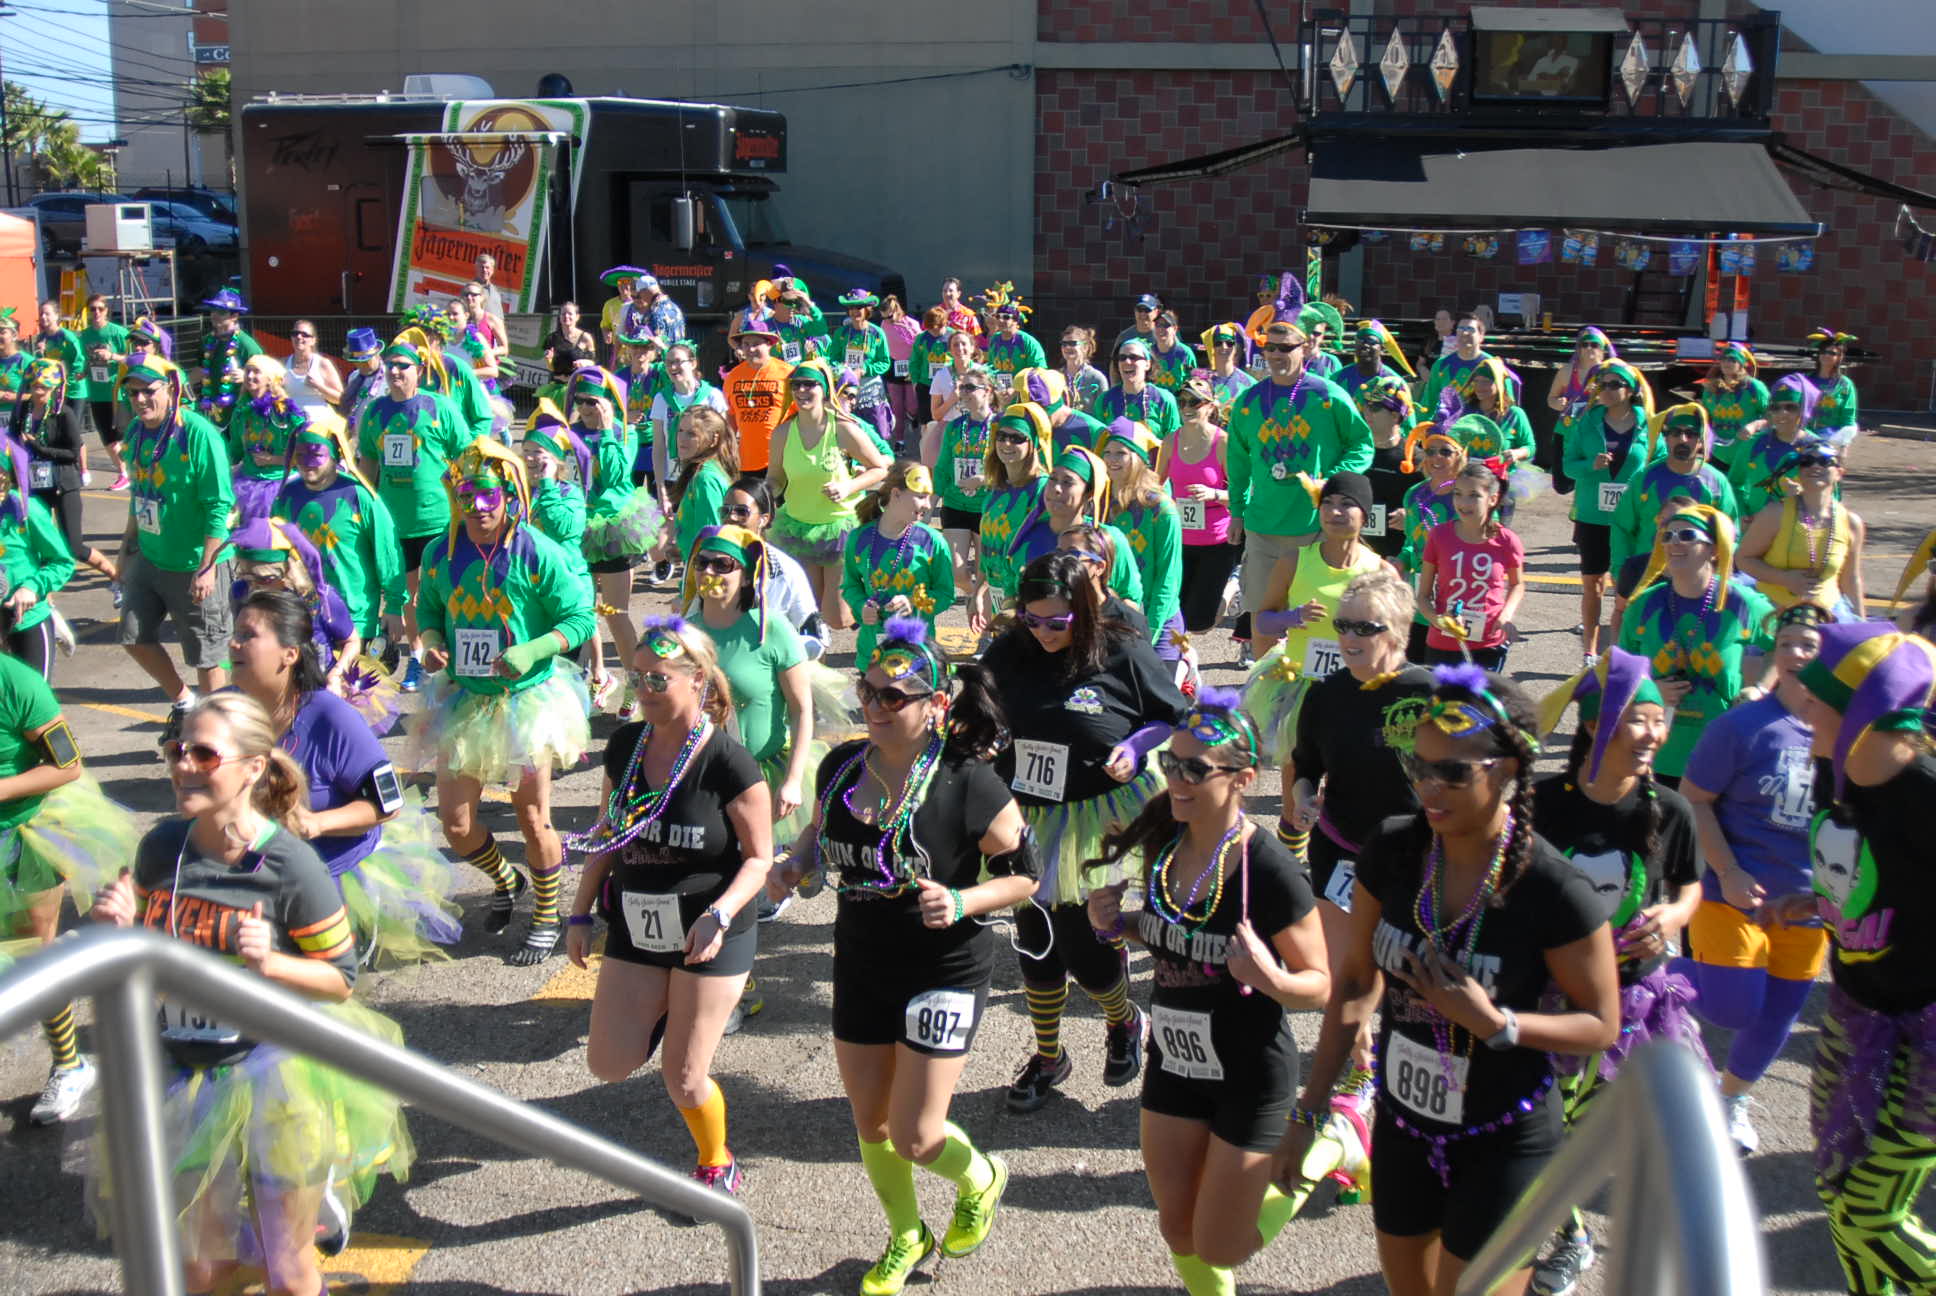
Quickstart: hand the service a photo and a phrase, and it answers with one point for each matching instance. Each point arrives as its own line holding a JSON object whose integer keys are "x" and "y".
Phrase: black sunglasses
{"x": 1282, "y": 348}
{"x": 715, "y": 564}
{"x": 1448, "y": 773}
{"x": 888, "y": 699}
{"x": 1362, "y": 629}
{"x": 1010, "y": 438}
{"x": 1817, "y": 461}
{"x": 1191, "y": 770}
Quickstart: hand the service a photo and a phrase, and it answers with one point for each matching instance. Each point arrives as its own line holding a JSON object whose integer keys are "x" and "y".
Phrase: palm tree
{"x": 208, "y": 111}
{"x": 28, "y": 122}
{"x": 66, "y": 163}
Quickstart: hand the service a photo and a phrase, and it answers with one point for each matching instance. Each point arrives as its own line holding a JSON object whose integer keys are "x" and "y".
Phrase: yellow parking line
{"x": 570, "y": 982}
{"x": 374, "y": 1264}
{"x": 129, "y": 712}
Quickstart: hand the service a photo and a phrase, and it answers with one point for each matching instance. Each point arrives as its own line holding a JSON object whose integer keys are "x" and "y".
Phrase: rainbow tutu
{"x": 628, "y": 533}
{"x": 1069, "y": 835}
{"x": 77, "y": 838}
{"x": 494, "y": 737}
{"x": 398, "y": 896}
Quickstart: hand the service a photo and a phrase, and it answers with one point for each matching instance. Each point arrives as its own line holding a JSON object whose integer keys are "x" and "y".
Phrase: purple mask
{"x": 481, "y": 499}
{"x": 311, "y": 455}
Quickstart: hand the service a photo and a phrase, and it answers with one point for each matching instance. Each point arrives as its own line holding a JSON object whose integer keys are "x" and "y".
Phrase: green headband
{"x": 1078, "y": 463}
{"x": 550, "y": 444}
{"x": 262, "y": 555}
{"x": 403, "y": 351}
{"x": 726, "y": 545}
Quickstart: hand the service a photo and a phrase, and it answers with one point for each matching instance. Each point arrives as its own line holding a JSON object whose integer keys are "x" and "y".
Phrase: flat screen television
{"x": 1557, "y": 67}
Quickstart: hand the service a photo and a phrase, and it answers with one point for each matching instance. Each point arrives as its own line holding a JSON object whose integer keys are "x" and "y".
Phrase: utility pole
{"x": 13, "y": 199}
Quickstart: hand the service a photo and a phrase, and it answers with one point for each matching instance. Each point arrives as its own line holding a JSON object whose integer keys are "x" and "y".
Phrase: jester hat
{"x": 549, "y": 429}
{"x": 422, "y": 354}
{"x": 597, "y": 381}
{"x": 1032, "y": 421}
{"x": 1822, "y": 337}
{"x": 1876, "y": 677}
{"x": 818, "y": 370}
{"x": 1494, "y": 368}
{"x": 49, "y": 373}
{"x": 1088, "y": 465}
{"x": 1424, "y": 434}
{"x": 1795, "y": 389}
{"x": 1604, "y": 690}
{"x": 1376, "y": 330}
{"x": 17, "y": 470}
{"x": 1740, "y": 352}
{"x": 1044, "y": 387}
{"x": 1318, "y": 312}
{"x": 1918, "y": 562}
{"x": 1137, "y": 436}
{"x": 1720, "y": 531}
{"x": 1231, "y": 332}
{"x": 487, "y": 459}
{"x": 739, "y": 543}
{"x": 1387, "y": 391}
{"x": 430, "y": 320}
{"x": 272, "y": 539}
{"x": 157, "y": 370}
{"x": 1284, "y": 310}
{"x": 1691, "y": 414}
{"x": 1616, "y": 370}
{"x": 1596, "y": 336}
{"x": 329, "y": 429}
{"x": 145, "y": 326}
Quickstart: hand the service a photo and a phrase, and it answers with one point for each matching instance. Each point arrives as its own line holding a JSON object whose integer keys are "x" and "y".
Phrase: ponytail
{"x": 281, "y": 789}
{"x": 282, "y": 786}
{"x": 977, "y": 726}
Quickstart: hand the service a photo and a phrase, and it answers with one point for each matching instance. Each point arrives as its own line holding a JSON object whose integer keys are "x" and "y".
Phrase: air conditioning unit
{"x": 120, "y": 227}
{"x": 446, "y": 85}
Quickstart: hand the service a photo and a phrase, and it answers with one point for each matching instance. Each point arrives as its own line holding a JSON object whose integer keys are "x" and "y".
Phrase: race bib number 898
{"x": 1425, "y": 1083}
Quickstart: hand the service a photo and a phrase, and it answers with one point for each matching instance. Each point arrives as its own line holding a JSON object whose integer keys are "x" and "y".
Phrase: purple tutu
{"x": 1652, "y": 1008}
{"x": 254, "y": 497}
{"x": 1858, "y": 1052}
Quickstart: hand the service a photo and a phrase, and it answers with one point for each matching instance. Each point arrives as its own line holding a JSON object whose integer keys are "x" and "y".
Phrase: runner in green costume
{"x": 1734, "y": 397}
{"x": 1492, "y": 425}
{"x": 557, "y": 463}
{"x": 1049, "y": 388}
{"x": 1684, "y": 472}
{"x": 956, "y": 454}
{"x": 1171, "y": 360}
{"x": 1324, "y": 327}
{"x": 1133, "y": 398}
{"x": 1451, "y": 369}
{"x": 800, "y": 325}
{"x": 1836, "y": 409}
{"x": 897, "y": 565}
{"x": 34, "y": 561}
{"x": 1278, "y": 430}
{"x": 1146, "y": 515}
{"x": 621, "y": 520}
{"x": 1010, "y": 350}
{"x": 448, "y": 375}
{"x": 261, "y": 426}
{"x": 54, "y": 342}
{"x": 857, "y": 343}
{"x": 1791, "y": 409}
{"x": 708, "y": 465}
{"x": 1020, "y": 452}
{"x": 225, "y": 349}
{"x": 13, "y": 360}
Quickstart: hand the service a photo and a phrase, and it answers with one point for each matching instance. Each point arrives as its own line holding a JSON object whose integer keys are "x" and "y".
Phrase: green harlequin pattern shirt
{"x": 922, "y": 568}
{"x": 1677, "y": 640}
{"x": 526, "y": 587}
{"x": 1004, "y": 510}
{"x": 863, "y": 349}
{"x": 357, "y": 542}
{"x": 1277, "y": 432}
{"x": 411, "y": 443}
{"x": 258, "y": 444}
{"x": 1730, "y": 411}
{"x": 1155, "y": 535}
{"x": 1638, "y": 516}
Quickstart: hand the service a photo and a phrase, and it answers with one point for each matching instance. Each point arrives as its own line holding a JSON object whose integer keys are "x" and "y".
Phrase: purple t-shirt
{"x": 1754, "y": 758}
{"x": 332, "y": 742}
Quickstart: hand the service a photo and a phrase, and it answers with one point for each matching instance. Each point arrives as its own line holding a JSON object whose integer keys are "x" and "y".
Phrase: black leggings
{"x": 1077, "y": 951}
{"x": 35, "y": 646}
{"x": 104, "y": 423}
{"x": 1206, "y": 569}
{"x": 65, "y": 505}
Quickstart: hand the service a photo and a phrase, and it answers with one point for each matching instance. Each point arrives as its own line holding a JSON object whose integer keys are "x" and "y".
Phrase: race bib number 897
{"x": 941, "y": 1020}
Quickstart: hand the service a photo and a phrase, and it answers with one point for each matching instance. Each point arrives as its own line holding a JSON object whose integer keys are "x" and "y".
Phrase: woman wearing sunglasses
{"x": 1764, "y": 445}
{"x": 1605, "y": 450}
{"x": 821, "y": 462}
{"x": 1078, "y": 491}
{"x": 313, "y": 379}
{"x": 1235, "y": 948}
{"x": 35, "y": 564}
{"x": 1225, "y": 349}
{"x": 1199, "y": 482}
{"x": 500, "y": 603}
{"x": 1088, "y": 702}
{"x": 763, "y": 660}
{"x": 920, "y": 839}
{"x": 1572, "y": 382}
{"x": 1134, "y": 397}
{"x": 1342, "y": 775}
{"x": 1096, "y": 546}
{"x": 263, "y": 1142}
{"x": 1142, "y": 510}
{"x": 896, "y": 564}
{"x": 1871, "y": 1110}
{"x": 1835, "y": 410}
{"x": 1635, "y": 842}
{"x": 1733, "y": 396}
{"x": 1694, "y": 627}
{"x": 376, "y": 841}
{"x": 1428, "y": 504}
{"x": 1462, "y": 922}
{"x": 261, "y": 424}
{"x": 1015, "y": 474}
{"x": 956, "y": 454}
{"x": 679, "y": 854}
{"x": 622, "y": 521}
{"x": 1806, "y": 546}
{"x": 784, "y": 587}
{"x": 1085, "y": 382}
{"x": 1386, "y": 403}
{"x": 1305, "y": 585}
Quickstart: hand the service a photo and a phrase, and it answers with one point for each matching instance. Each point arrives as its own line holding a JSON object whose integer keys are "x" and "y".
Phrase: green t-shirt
{"x": 699, "y": 506}
{"x": 357, "y": 542}
{"x": 863, "y": 349}
{"x": 930, "y": 350}
{"x": 466, "y": 394}
{"x": 27, "y": 704}
{"x": 34, "y": 555}
{"x": 1836, "y": 408}
{"x": 960, "y": 463}
{"x": 753, "y": 669}
{"x": 64, "y": 345}
{"x": 1678, "y": 640}
{"x": 180, "y": 495}
{"x": 610, "y": 490}
{"x": 13, "y": 371}
{"x": 1278, "y": 432}
{"x": 528, "y": 587}
{"x": 1007, "y": 357}
{"x": 100, "y": 378}
{"x": 558, "y": 510}
{"x": 411, "y": 443}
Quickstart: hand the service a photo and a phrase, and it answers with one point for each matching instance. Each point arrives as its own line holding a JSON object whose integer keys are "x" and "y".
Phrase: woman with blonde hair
{"x": 1192, "y": 465}
{"x": 1143, "y": 511}
{"x": 1085, "y": 381}
{"x": 262, "y": 423}
{"x": 810, "y": 453}
{"x": 708, "y": 464}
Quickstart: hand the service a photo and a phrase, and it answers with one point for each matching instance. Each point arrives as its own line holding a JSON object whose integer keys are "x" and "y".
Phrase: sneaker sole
{"x": 996, "y": 1190}
{"x": 1593, "y": 1258}
{"x": 1023, "y": 1106}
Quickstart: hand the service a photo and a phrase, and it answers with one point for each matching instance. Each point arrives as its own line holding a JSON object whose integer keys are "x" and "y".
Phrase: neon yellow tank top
{"x": 1315, "y": 648}
{"x": 1820, "y": 550}
{"x": 807, "y": 471}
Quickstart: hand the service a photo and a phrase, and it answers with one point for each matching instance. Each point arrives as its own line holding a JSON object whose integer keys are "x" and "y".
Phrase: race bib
{"x": 475, "y": 652}
{"x": 941, "y": 1020}
{"x": 1041, "y": 768}
{"x": 790, "y": 352}
{"x": 1417, "y": 1077}
{"x": 40, "y": 475}
{"x": 652, "y": 922}
{"x": 1375, "y": 523}
{"x": 901, "y": 367}
{"x": 856, "y": 359}
{"x": 147, "y": 515}
{"x": 1610, "y": 493}
{"x": 1257, "y": 366}
{"x": 967, "y": 473}
{"x": 1474, "y": 621}
{"x": 1190, "y": 513}
{"x": 97, "y": 373}
{"x": 1343, "y": 878}
{"x": 399, "y": 450}
{"x": 1321, "y": 657}
{"x": 190, "y": 1026}
{"x": 1184, "y": 1038}
{"x": 1004, "y": 383}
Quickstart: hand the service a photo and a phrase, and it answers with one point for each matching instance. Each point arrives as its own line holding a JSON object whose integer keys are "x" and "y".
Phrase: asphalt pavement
{"x": 1078, "y": 1218}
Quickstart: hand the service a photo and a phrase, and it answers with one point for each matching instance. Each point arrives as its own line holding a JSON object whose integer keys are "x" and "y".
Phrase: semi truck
{"x": 365, "y": 205}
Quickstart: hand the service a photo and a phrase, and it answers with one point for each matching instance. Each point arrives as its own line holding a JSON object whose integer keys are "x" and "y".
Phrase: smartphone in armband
{"x": 58, "y": 742}
{"x": 386, "y": 789}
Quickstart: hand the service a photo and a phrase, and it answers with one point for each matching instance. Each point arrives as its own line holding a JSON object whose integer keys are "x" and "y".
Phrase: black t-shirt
{"x": 203, "y": 901}
{"x": 1064, "y": 728}
{"x": 1389, "y": 483}
{"x": 885, "y": 934}
{"x": 1608, "y": 843}
{"x": 1354, "y": 735}
{"x": 691, "y": 851}
{"x": 1129, "y": 616}
{"x": 1877, "y": 888}
{"x": 1189, "y": 966}
{"x": 1549, "y": 904}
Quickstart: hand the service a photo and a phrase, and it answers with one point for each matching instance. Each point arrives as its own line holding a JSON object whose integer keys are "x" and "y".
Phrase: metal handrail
{"x": 1683, "y": 1220}
{"x": 123, "y": 969}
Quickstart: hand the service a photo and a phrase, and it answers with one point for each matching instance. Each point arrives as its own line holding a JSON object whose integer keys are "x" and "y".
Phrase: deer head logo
{"x": 483, "y": 179}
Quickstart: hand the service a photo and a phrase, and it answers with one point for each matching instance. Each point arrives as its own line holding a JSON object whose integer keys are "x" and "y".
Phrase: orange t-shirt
{"x": 756, "y": 402}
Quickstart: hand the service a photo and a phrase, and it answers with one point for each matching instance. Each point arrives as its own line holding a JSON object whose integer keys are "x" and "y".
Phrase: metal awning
{"x": 1688, "y": 190}
{"x": 1212, "y": 164}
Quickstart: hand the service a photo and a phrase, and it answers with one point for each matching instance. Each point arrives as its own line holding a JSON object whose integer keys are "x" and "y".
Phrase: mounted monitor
{"x": 1544, "y": 56}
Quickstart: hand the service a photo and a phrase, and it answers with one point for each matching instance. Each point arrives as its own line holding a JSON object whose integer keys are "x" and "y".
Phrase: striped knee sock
{"x": 62, "y": 1039}
{"x": 1045, "y": 1015}
{"x": 491, "y": 863}
{"x": 1297, "y": 843}
{"x": 544, "y": 895}
{"x": 1114, "y": 1002}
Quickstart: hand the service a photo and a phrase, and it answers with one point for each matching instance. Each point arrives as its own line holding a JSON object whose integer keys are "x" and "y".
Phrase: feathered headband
{"x": 1824, "y": 337}
{"x": 903, "y": 649}
{"x": 1003, "y": 296}
{"x": 1217, "y": 719}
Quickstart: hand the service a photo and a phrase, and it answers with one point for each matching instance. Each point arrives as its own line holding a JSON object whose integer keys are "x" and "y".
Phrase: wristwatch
{"x": 1508, "y": 1035}
{"x": 724, "y": 919}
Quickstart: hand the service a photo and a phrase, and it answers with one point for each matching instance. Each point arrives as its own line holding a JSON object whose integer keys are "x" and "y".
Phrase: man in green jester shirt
{"x": 499, "y": 602}
{"x": 174, "y": 559}
{"x": 1289, "y": 430}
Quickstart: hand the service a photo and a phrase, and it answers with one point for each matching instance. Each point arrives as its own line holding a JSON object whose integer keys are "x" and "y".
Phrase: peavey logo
{"x": 761, "y": 148}
{"x": 307, "y": 150}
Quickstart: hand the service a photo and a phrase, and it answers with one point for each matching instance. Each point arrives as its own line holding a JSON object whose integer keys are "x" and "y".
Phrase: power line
{"x": 146, "y": 60}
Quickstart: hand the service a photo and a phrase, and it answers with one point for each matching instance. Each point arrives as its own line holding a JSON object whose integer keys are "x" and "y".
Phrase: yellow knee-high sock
{"x": 1201, "y": 1278}
{"x": 707, "y": 1123}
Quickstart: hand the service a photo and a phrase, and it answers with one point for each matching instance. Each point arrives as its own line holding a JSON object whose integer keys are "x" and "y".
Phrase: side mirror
{"x": 684, "y": 217}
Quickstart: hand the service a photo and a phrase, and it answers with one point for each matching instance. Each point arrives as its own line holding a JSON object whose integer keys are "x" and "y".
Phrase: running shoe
{"x": 1126, "y": 1049}
{"x": 975, "y": 1213}
{"x": 734, "y": 1020}
{"x": 628, "y": 702}
{"x": 63, "y": 632}
{"x": 121, "y": 483}
{"x": 1559, "y": 1273}
{"x": 1039, "y": 1076}
{"x": 540, "y": 943}
{"x": 412, "y": 677}
{"x": 750, "y": 999}
{"x": 504, "y": 904}
{"x": 332, "y": 1219}
{"x": 114, "y": 592}
{"x": 1589, "y": 660}
{"x": 898, "y": 1263}
{"x": 1747, "y": 1140}
{"x": 771, "y": 909}
{"x": 1244, "y": 658}
{"x": 729, "y": 1178}
{"x": 61, "y": 1096}
{"x": 171, "y": 725}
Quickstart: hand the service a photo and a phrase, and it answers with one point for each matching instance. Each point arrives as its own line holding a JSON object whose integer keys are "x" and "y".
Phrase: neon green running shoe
{"x": 897, "y": 1264}
{"x": 975, "y": 1213}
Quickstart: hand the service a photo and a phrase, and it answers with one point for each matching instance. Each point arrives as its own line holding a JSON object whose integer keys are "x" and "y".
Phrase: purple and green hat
{"x": 1604, "y": 691}
{"x": 1876, "y": 677}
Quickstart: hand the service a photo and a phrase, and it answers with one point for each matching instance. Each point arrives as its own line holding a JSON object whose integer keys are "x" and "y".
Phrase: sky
{"x": 60, "y": 51}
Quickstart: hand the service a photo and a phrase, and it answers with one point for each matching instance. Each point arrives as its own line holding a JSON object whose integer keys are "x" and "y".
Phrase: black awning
{"x": 1834, "y": 175}
{"x": 1666, "y": 190}
{"x": 1212, "y": 164}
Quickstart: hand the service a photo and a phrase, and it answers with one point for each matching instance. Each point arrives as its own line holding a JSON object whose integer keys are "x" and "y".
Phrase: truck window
{"x": 650, "y": 213}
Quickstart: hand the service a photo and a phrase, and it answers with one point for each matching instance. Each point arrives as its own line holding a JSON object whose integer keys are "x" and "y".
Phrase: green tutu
{"x": 1069, "y": 834}
{"x": 1272, "y": 698}
{"x": 774, "y": 768}
{"x": 77, "y": 838}
{"x": 493, "y": 736}
{"x": 836, "y": 704}
{"x": 256, "y": 1142}
{"x": 819, "y": 544}
{"x": 628, "y": 533}
{"x": 398, "y": 896}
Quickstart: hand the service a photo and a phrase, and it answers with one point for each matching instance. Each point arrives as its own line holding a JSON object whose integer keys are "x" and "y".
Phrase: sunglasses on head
{"x": 1283, "y": 348}
{"x": 715, "y": 564}
{"x": 1058, "y": 623}
{"x": 1685, "y": 535}
{"x": 201, "y": 757}
{"x": 1362, "y": 629}
{"x": 1192, "y": 770}
{"x": 1447, "y": 773}
{"x": 888, "y": 699}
